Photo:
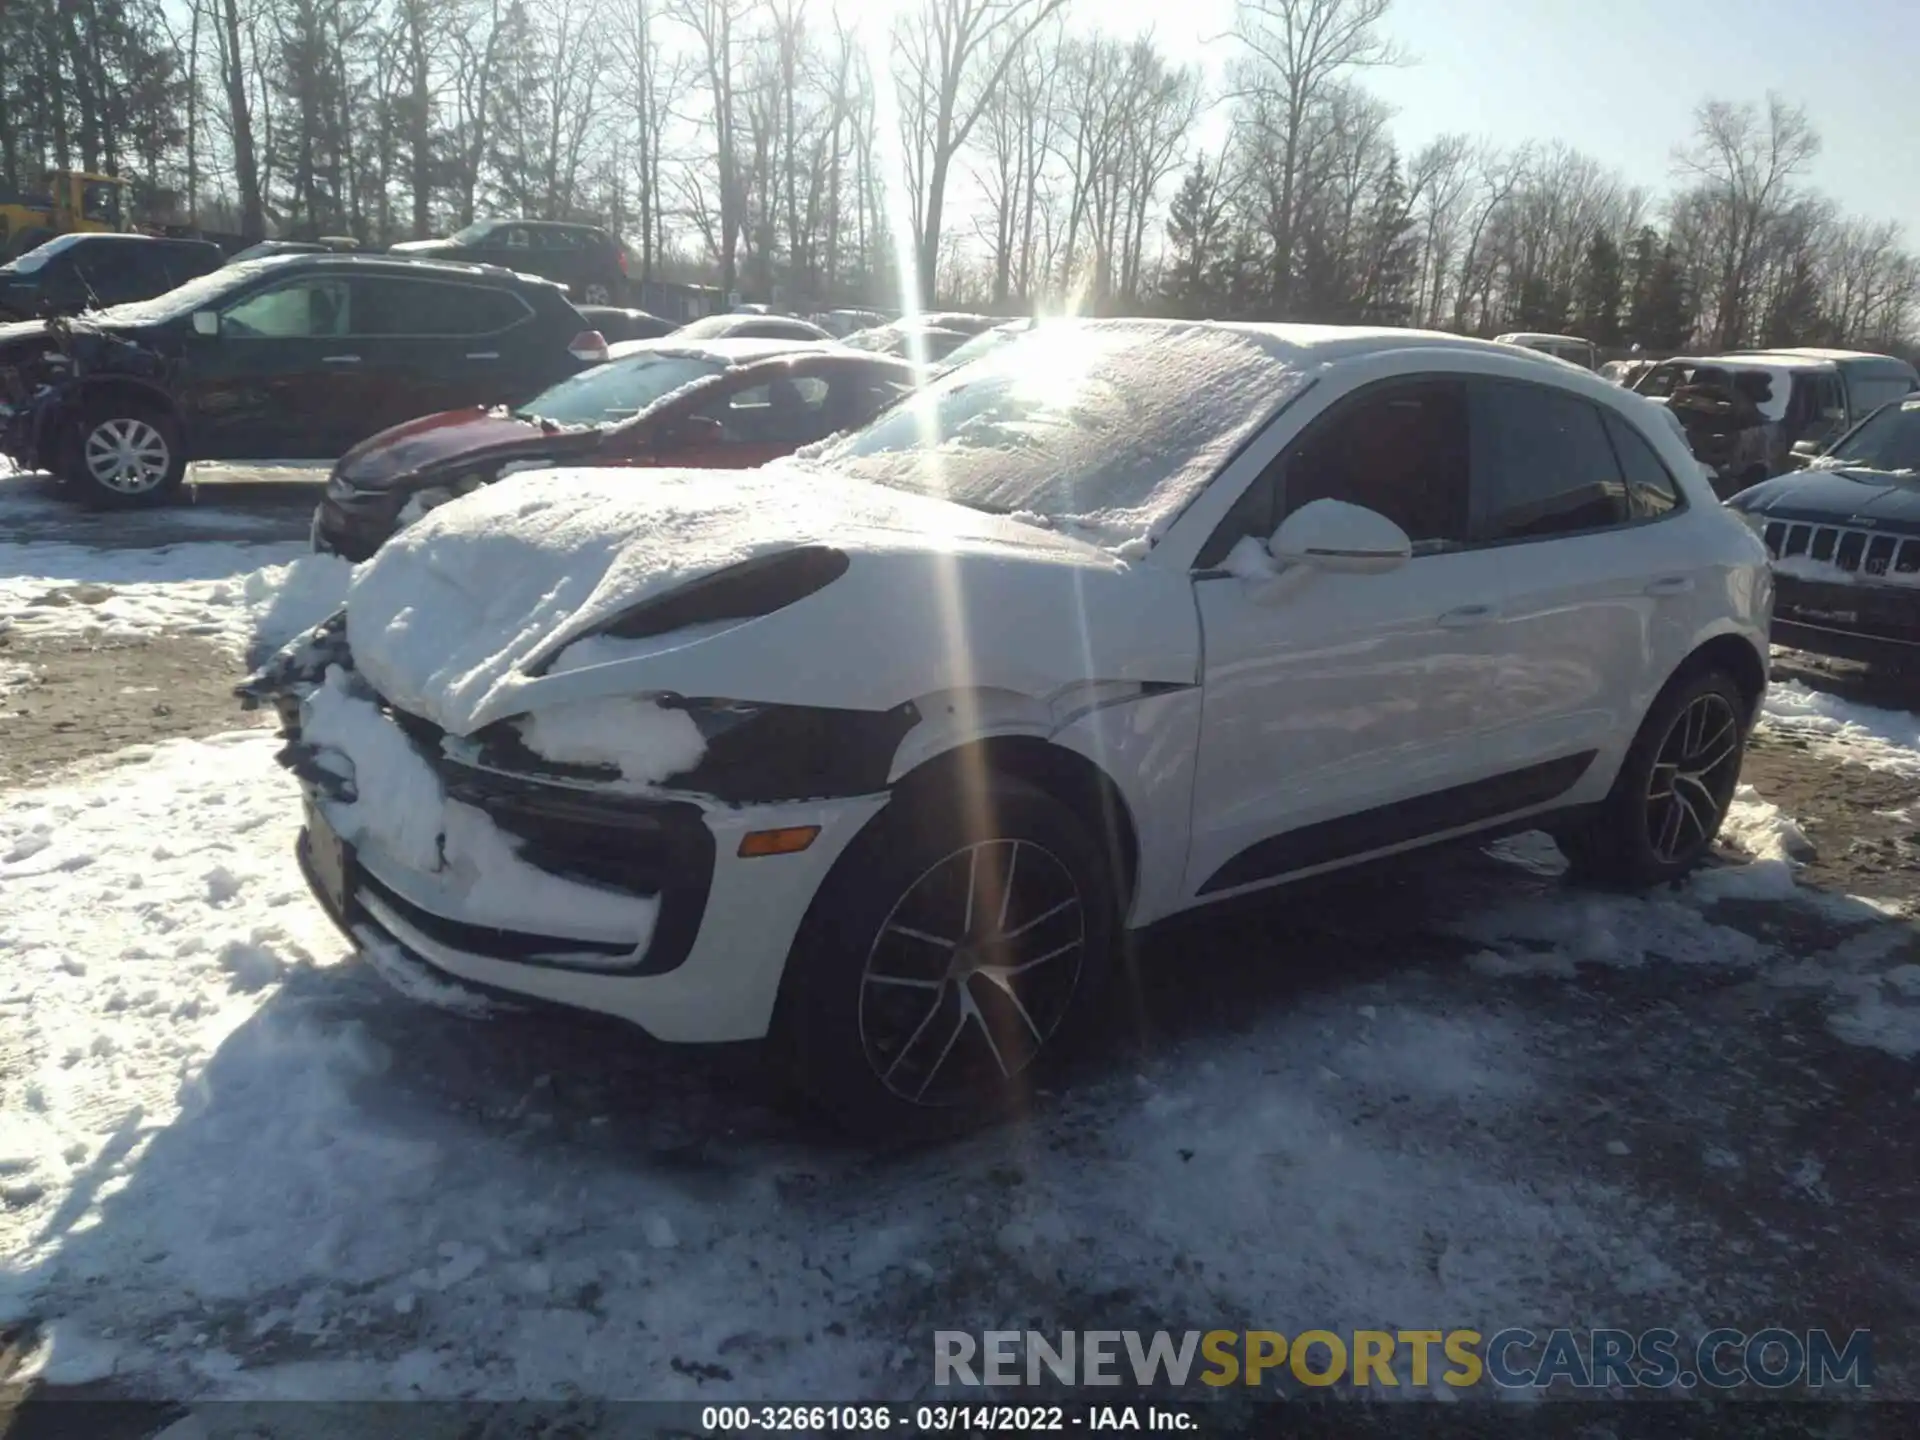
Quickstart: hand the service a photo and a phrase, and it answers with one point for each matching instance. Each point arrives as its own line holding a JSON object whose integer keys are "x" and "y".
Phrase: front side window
{"x": 100, "y": 202}
{"x": 787, "y": 410}
{"x": 1400, "y": 451}
{"x": 305, "y": 309}
{"x": 1542, "y": 464}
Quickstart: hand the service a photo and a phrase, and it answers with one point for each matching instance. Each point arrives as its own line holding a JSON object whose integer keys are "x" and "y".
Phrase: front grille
{"x": 1859, "y": 552}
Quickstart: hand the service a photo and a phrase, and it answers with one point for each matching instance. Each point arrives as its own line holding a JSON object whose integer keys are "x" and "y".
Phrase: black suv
{"x": 71, "y": 273}
{"x": 584, "y": 258}
{"x": 296, "y": 357}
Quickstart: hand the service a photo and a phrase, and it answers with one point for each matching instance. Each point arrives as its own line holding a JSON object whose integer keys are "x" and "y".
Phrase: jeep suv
{"x": 290, "y": 358}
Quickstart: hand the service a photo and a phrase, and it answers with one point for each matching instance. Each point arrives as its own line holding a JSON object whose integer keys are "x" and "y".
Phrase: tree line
{"x": 995, "y": 152}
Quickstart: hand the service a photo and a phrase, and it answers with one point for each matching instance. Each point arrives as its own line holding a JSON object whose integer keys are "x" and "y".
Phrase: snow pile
{"x": 1770, "y": 836}
{"x": 443, "y": 618}
{"x": 1880, "y": 739}
{"x": 1118, "y": 424}
{"x": 402, "y": 809}
{"x": 222, "y": 591}
{"x": 647, "y": 744}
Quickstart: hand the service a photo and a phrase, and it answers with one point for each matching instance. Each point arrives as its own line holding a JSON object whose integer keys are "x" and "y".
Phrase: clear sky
{"x": 1619, "y": 79}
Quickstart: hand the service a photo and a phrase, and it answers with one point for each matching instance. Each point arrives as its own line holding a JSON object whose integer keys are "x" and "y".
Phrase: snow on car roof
{"x": 727, "y": 349}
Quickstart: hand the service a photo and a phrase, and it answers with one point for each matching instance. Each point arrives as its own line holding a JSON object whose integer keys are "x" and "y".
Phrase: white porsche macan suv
{"x": 879, "y": 751}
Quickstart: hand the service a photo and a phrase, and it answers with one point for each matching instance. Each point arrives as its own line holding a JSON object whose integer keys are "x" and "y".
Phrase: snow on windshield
{"x": 1109, "y": 426}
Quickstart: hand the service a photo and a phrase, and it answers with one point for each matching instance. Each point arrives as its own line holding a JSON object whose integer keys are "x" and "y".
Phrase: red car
{"x": 705, "y": 404}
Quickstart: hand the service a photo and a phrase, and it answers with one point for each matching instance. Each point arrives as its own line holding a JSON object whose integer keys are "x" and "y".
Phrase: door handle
{"x": 339, "y": 359}
{"x": 483, "y": 355}
{"x": 1671, "y": 585}
{"x": 1468, "y": 617}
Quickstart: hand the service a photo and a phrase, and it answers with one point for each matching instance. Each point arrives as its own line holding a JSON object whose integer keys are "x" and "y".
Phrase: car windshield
{"x": 1888, "y": 439}
{"x": 473, "y": 234}
{"x": 1110, "y": 428}
{"x": 37, "y": 258}
{"x": 985, "y": 343}
{"x": 617, "y": 390}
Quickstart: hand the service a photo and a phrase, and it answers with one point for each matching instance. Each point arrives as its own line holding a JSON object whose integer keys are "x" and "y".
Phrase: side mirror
{"x": 1345, "y": 539}
{"x": 206, "y": 322}
{"x": 1806, "y": 449}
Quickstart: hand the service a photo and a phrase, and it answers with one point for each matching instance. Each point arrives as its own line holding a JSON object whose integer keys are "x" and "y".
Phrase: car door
{"x": 430, "y": 344}
{"x": 1585, "y": 576}
{"x": 282, "y": 380}
{"x": 1343, "y": 713}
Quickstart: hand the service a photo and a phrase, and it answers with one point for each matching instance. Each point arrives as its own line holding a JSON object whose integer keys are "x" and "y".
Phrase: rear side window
{"x": 1651, "y": 491}
{"x": 1870, "y": 392}
{"x": 397, "y": 308}
{"x": 1542, "y": 464}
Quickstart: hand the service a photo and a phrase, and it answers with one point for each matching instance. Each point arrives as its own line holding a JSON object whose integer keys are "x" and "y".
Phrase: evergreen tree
{"x": 1662, "y": 316}
{"x": 1794, "y": 316}
{"x": 1540, "y": 306}
{"x": 1599, "y": 291}
{"x": 1392, "y": 251}
{"x": 1200, "y": 258}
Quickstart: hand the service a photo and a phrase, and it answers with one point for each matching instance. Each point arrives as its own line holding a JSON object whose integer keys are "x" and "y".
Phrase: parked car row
{"x": 288, "y": 358}
{"x": 880, "y": 755}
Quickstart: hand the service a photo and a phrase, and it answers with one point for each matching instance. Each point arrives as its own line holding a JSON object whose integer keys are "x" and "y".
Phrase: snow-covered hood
{"x": 1835, "y": 495}
{"x": 453, "y": 438}
{"x": 464, "y": 617}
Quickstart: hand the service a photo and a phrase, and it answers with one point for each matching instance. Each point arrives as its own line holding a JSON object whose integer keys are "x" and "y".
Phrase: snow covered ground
{"x": 241, "y": 1166}
{"x": 235, "y": 1163}
{"x": 231, "y": 590}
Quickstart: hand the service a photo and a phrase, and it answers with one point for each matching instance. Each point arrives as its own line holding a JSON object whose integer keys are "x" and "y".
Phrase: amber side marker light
{"x": 790, "y": 841}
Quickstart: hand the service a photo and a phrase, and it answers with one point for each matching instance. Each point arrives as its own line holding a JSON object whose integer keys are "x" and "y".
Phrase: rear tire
{"x": 125, "y": 453}
{"x": 956, "y": 950}
{"x": 1673, "y": 790}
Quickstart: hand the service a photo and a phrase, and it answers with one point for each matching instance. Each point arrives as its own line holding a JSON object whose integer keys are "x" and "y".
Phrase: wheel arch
{"x": 1735, "y": 654}
{"x": 1066, "y": 775}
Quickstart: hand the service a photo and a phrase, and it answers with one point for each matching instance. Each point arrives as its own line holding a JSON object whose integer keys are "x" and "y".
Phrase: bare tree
{"x": 1297, "y": 49}
{"x": 949, "y": 69}
{"x": 1744, "y": 163}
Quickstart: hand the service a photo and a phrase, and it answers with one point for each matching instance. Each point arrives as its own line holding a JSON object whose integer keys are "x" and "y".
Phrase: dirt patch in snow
{"x": 65, "y": 699}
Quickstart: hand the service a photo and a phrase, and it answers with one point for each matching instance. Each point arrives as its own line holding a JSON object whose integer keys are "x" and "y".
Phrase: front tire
{"x": 1673, "y": 790}
{"x": 955, "y": 951}
{"x": 126, "y": 454}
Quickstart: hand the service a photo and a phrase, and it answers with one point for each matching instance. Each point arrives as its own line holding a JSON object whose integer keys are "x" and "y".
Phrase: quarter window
{"x": 1542, "y": 464}
{"x": 1650, "y": 488}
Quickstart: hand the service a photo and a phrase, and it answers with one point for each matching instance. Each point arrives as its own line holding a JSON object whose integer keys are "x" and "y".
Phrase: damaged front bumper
{"x": 708, "y": 969}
